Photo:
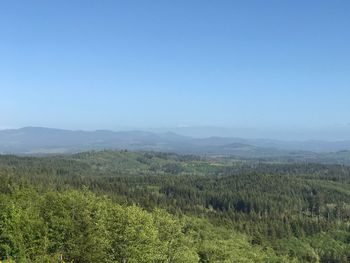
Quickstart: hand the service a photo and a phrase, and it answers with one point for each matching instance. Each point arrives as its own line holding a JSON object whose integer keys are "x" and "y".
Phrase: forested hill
{"x": 122, "y": 206}
{"x": 37, "y": 140}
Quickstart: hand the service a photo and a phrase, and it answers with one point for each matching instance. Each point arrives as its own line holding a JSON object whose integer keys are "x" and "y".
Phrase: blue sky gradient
{"x": 277, "y": 68}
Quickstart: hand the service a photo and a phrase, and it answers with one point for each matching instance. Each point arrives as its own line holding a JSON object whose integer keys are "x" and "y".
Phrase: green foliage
{"x": 154, "y": 207}
{"x": 85, "y": 228}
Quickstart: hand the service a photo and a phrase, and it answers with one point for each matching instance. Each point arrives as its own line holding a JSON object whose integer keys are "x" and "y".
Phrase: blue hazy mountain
{"x": 38, "y": 140}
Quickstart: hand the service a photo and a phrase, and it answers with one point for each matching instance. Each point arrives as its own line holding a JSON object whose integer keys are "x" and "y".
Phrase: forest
{"x": 122, "y": 206}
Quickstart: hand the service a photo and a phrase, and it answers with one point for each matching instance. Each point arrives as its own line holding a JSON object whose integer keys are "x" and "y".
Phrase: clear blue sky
{"x": 273, "y": 65}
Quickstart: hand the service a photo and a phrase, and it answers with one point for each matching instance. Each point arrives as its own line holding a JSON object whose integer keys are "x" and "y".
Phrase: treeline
{"x": 297, "y": 212}
{"x": 78, "y": 226}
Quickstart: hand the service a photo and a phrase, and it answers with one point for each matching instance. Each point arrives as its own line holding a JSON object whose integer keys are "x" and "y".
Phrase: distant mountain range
{"x": 37, "y": 140}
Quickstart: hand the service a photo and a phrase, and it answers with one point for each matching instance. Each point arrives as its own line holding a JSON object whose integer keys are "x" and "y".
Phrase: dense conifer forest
{"x": 120, "y": 206}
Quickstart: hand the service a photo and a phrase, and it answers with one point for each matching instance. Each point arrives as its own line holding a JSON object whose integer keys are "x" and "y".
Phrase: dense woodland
{"x": 120, "y": 206}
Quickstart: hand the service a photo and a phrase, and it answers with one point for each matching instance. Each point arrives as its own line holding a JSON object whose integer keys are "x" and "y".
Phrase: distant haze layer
{"x": 37, "y": 140}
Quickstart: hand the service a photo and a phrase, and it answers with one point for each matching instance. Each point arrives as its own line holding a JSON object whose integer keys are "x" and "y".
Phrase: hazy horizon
{"x": 276, "y": 69}
{"x": 211, "y": 131}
